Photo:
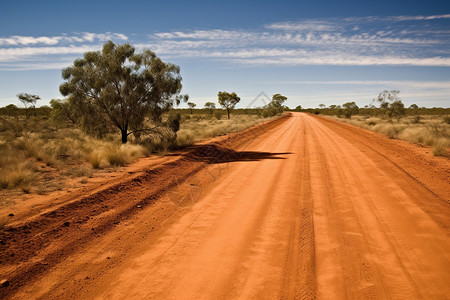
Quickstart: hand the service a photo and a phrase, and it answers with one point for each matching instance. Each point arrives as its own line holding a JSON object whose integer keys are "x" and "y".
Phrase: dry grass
{"x": 29, "y": 161}
{"x": 68, "y": 152}
{"x": 431, "y": 131}
{"x": 193, "y": 131}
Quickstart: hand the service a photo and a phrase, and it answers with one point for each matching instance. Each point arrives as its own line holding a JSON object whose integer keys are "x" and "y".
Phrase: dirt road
{"x": 310, "y": 208}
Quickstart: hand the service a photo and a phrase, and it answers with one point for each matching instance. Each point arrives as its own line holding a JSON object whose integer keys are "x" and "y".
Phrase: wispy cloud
{"x": 17, "y": 40}
{"x": 367, "y": 41}
{"x": 398, "y": 40}
{"x": 405, "y": 83}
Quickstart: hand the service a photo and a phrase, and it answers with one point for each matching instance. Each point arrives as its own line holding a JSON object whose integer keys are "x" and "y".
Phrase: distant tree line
{"x": 387, "y": 105}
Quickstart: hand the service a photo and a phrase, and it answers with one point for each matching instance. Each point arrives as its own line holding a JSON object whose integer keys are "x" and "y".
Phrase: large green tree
{"x": 228, "y": 101}
{"x": 122, "y": 86}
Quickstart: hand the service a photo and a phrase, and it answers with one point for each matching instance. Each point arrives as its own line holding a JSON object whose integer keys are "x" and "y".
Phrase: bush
{"x": 218, "y": 115}
{"x": 447, "y": 120}
{"x": 416, "y": 120}
{"x": 440, "y": 147}
{"x": 115, "y": 156}
{"x": 16, "y": 176}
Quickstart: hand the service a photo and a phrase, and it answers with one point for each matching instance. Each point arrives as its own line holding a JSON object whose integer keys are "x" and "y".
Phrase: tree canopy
{"x": 228, "y": 101}
{"x": 392, "y": 104}
{"x": 210, "y": 106}
{"x": 28, "y": 101}
{"x": 191, "y": 106}
{"x": 350, "y": 109}
{"x": 122, "y": 87}
{"x": 276, "y": 105}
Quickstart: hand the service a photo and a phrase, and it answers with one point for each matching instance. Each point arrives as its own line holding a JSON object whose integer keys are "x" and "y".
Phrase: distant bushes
{"x": 425, "y": 130}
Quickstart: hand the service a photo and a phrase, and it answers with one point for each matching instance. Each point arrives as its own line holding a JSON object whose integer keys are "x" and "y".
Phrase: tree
{"x": 62, "y": 111}
{"x": 122, "y": 87}
{"x": 28, "y": 101}
{"x": 298, "y": 108}
{"x": 191, "y": 106}
{"x": 210, "y": 106}
{"x": 391, "y": 103}
{"x": 228, "y": 101}
{"x": 350, "y": 109}
{"x": 396, "y": 109}
{"x": 279, "y": 98}
{"x": 413, "y": 106}
{"x": 276, "y": 105}
{"x": 322, "y": 106}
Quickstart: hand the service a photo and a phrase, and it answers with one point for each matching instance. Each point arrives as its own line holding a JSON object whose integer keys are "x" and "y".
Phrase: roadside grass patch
{"x": 430, "y": 131}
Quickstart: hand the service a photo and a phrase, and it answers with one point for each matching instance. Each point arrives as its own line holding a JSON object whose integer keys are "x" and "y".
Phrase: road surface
{"x": 311, "y": 208}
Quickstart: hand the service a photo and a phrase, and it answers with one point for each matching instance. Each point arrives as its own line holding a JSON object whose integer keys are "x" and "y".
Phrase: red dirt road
{"x": 309, "y": 208}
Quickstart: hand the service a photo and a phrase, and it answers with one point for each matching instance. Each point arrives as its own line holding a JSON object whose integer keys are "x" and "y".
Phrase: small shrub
{"x": 218, "y": 114}
{"x": 95, "y": 159}
{"x": 447, "y": 120}
{"x": 347, "y": 114}
{"x": 416, "y": 120}
{"x": 115, "y": 156}
{"x": 83, "y": 171}
{"x": 440, "y": 147}
{"x": 16, "y": 176}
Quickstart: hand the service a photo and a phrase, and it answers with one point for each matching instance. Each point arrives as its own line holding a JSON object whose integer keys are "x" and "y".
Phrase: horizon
{"x": 321, "y": 53}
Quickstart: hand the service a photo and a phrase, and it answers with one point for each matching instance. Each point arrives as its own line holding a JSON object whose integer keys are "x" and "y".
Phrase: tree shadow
{"x": 217, "y": 154}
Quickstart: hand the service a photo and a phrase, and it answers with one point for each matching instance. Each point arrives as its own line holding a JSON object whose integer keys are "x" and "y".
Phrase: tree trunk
{"x": 228, "y": 112}
{"x": 124, "y": 136}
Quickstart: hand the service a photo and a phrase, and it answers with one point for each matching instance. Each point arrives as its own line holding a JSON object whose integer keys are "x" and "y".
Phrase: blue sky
{"x": 313, "y": 52}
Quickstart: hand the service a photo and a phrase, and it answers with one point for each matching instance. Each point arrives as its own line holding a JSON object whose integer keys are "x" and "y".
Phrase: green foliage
{"x": 228, "y": 101}
{"x": 275, "y": 106}
{"x": 121, "y": 87}
{"x": 28, "y": 101}
{"x": 218, "y": 114}
{"x": 391, "y": 104}
{"x": 350, "y": 109}
{"x": 191, "y": 106}
{"x": 396, "y": 110}
{"x": 210, "y": 106}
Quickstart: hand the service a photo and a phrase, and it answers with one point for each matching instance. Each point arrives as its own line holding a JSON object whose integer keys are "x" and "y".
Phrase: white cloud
{"x": 364, "y": 41}
{"x": 27, "y": 40}
{"x": 309, "y": 25}
{"x": 14, "y": 54}
{"x": 404, "y": 83}
{"x": 418, "y": 18}
{"x": 342, "y": 59}
{"x": 17, "y": 40}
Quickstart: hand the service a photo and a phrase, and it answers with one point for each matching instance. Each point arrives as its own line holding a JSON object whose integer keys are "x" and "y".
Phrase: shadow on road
{"x": 216, "y": 154}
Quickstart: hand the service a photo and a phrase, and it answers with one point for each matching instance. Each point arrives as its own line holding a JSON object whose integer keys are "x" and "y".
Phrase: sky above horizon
{"x": 313, "y": 52}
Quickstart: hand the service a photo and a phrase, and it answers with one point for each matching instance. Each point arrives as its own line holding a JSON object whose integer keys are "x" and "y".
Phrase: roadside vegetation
{"x": 119, "y": 106}
{"x": 41, "y": 152}
{"x": 388, "y": 115}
